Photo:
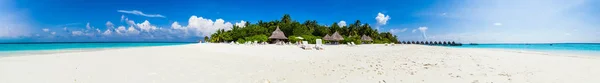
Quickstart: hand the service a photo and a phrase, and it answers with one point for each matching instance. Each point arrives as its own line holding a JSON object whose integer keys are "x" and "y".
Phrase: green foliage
{"x": 259, "y": 38}
{"x": 241, "y": 41}
{"x": 355, "y": 39}
{"x": 293, "y": 39}
{"x": 206, "y": 38}
{"x": 309, "y": 30}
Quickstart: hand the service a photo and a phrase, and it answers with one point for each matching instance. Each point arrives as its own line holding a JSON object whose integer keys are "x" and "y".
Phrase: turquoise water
{"x": 578, "y": 48}
{"x": 60, "y": 46}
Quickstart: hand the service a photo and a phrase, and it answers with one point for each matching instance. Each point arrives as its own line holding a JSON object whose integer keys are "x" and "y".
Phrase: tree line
{"x": 309, "y": 30}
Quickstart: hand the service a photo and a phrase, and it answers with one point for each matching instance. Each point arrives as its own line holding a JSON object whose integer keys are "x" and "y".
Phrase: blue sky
{"x": 481, "y": 21}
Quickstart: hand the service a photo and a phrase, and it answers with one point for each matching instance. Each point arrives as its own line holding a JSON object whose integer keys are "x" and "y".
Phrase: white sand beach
{"x": 224, "y": 63}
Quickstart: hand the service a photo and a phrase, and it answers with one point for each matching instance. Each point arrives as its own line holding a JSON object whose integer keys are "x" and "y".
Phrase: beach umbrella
{"x": 278, "y": 35}
{"x": 336, "y": 37}
{"x": 327, "y": 37}
{"x": 366, "y": 38}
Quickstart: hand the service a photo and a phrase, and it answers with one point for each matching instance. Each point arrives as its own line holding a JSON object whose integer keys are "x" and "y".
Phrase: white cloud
{"x": 342, "y": 23}
{"x": 498, "y": 24}
{"x": 382, "y": 19}
{"x": 77, "y": 33}
{"x": 398, "y": 30}
{"x": 45, "y": 29}
{"x": 176, "y": 25}
{"x": 98, "y": 30}
{"x": 423, "y": 31}
{"x": 146, "y": 26}
{"x": 87, "y": 26}
{"x": 110, "y": 25}
{"x": 121, "y": 30}
{"x": 136, "y": 12}
{"x": 205, "y": 27}
{"x": 123, "y": 18}
{"x": 241, "y": 24}
{"x": 130, "y": 22}
{"x": 132, "y": 31}
{"x": 108, "y": 32}
{"x": 414, "y": 30}
{"x": 53, "y": 33}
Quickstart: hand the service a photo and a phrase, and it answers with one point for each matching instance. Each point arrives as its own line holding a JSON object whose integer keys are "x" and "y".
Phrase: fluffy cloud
{"x": 107, "y": 32}
{"x": 140, "y": 13}
{"x": 342, "y": 23}
{"x": 110, "y": 25}
{"x": 121, "y": 30}
{"x": 382, "y": 19}
{"x": 132, "y": 31}
{"x": 176, "y": 25}
{"x": 146, "y": 26}
{"x": 414, "y": 30}
{"x": 241, "y": 24}
{"x": 205, "y": 27}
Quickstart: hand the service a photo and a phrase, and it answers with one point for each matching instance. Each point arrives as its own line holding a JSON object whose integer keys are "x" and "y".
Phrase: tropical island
{"x": 308, "y": 30}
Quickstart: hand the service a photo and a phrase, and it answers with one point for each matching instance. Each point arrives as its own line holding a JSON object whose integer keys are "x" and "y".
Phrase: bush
{"x": 259, "y": 38}
{"x": 241, "y": 41}
{"x": 355, "y": 39}
{"x": 293, "y": 39}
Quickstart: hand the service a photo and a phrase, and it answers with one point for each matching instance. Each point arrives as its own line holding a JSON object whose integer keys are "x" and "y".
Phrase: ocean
{"x": 564, "y": 48}
{"x": 12, "y": 48}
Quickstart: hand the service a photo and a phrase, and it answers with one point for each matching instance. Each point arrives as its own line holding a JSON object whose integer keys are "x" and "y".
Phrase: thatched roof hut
{"x": 336, "y": 37}
{"x": 327, "y": 37}
{"x": 366, "y": 38}
{"x": 278, "y": 34}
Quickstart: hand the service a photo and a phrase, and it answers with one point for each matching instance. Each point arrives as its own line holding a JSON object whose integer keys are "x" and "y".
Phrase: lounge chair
{"x": 352, "y": 43}
{"x": 319, "y": 44}
{"x": 305, "y": 45}
{"x": 386, "y": 44}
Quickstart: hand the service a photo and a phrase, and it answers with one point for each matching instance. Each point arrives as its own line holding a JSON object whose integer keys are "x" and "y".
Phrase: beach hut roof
{"x": 277, "y": 34}
{"x": 337, "y": 37}
{"x": 327, "y": 37}
{"x": 366, "y": 38}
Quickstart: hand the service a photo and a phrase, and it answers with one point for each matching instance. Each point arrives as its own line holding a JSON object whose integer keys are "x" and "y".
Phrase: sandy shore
{"x": 223, "y": 63}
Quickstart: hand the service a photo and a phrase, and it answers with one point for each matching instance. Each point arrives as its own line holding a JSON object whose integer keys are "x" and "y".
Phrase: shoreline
{"x": 217, "y": 63}
{"x": 568, "y": 53}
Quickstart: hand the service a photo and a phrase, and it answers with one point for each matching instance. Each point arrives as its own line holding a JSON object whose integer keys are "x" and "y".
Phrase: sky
{"x": 467, "y": 21}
